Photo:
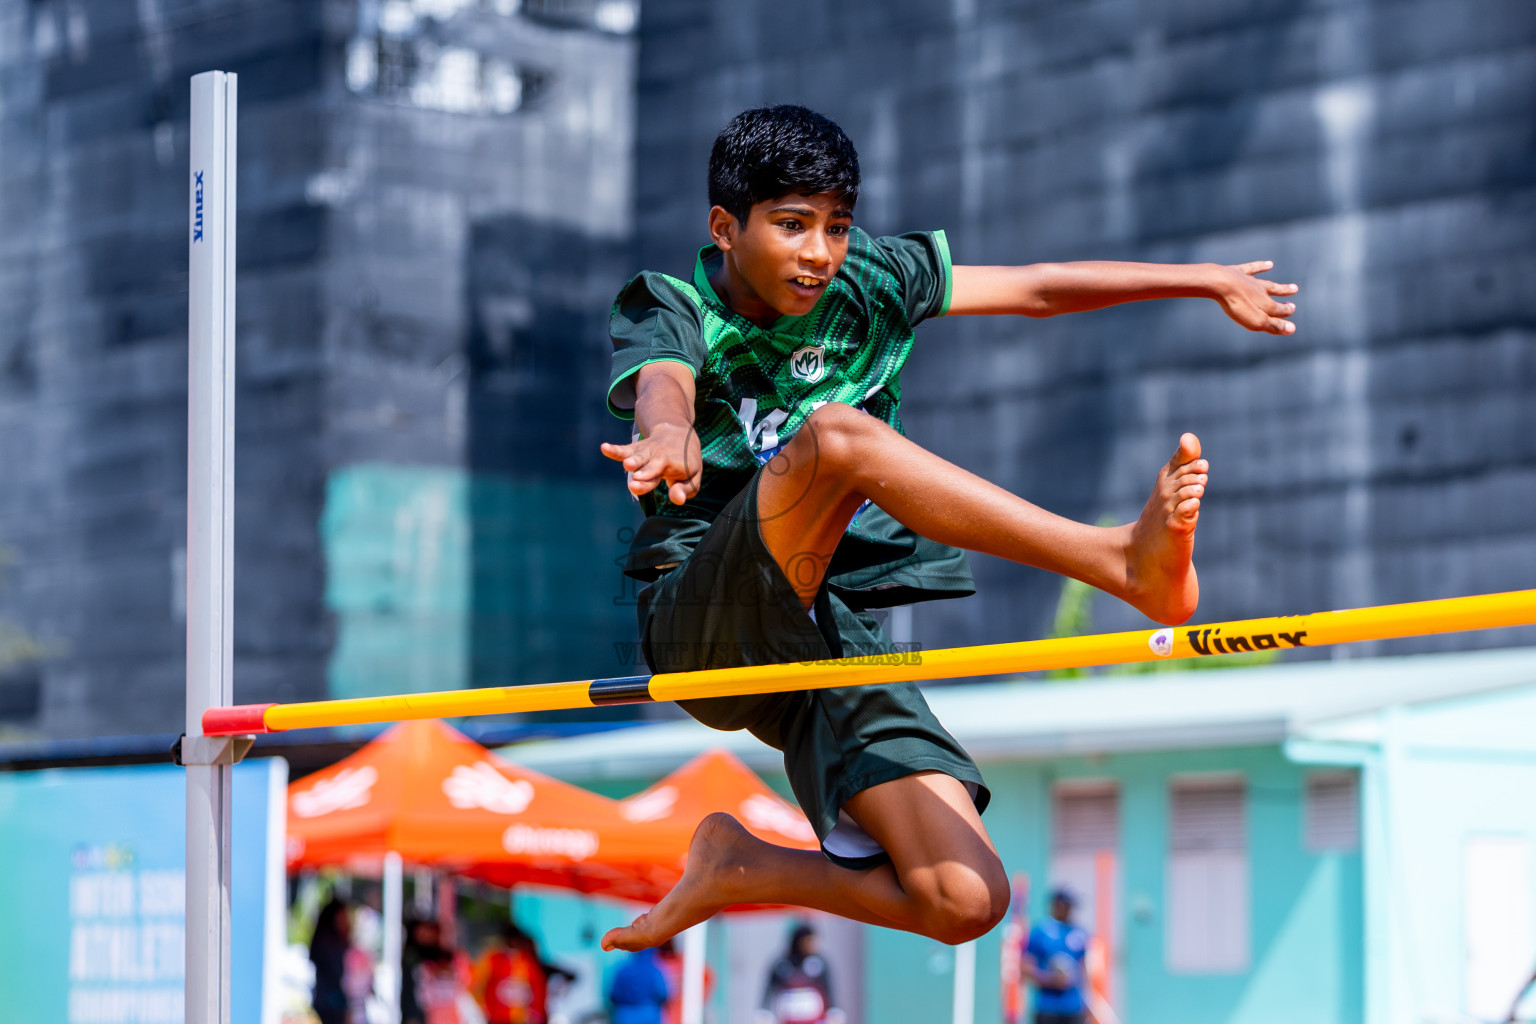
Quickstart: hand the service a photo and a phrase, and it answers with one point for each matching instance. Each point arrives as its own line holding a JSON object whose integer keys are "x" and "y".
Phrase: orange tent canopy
{"x": 436, "y": 797}
{"x": 717, "y": 781}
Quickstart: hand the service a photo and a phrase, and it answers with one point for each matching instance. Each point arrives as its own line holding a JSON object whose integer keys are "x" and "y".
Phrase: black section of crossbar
{"x": 620, "y": 690}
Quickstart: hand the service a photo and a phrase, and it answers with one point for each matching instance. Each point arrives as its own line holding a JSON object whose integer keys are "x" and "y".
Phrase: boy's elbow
{"x": 1037, "y": 290}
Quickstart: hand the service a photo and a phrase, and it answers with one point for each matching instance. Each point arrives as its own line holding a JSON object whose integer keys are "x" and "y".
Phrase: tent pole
{"x": 210, "y": 539}
{"x": 693, "y": 973}
{"x": 394, "y": 911}
{"x": 965, "y": 983}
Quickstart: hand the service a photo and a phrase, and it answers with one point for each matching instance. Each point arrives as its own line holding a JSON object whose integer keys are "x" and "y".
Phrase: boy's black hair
{"x": 769, "y": 152}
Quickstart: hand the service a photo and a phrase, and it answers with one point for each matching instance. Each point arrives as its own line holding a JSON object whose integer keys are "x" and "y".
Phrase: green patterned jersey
{"x": 755, "y": 386}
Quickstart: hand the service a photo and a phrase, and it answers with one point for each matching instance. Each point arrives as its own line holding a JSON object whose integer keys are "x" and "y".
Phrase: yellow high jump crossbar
{"x": 1381, "y": 622}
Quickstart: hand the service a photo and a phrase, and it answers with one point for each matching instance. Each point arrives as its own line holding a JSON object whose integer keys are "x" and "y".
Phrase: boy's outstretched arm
{"x": 1046, "y": 289}
{"x": 668, "y": 452}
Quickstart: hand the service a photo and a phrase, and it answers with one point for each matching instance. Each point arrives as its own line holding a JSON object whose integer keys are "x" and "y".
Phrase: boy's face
{"x": 786, "y": 254}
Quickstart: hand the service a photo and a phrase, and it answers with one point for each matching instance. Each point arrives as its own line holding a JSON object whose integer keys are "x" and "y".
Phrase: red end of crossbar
{"x": 238, "y": 720}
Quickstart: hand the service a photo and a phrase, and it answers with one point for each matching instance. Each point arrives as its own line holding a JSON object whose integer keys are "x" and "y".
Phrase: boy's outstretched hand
{"x": 1251, "y": 301}
{"x": 669, "y": 451}
{"x": 670, "y": 455}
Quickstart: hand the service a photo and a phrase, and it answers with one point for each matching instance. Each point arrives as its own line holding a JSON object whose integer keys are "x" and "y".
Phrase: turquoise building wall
{"x": 1305, "y": 910}
{"x": 1438, "y": 778}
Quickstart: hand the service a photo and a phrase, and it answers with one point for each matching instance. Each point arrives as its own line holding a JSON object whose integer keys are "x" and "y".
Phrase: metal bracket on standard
{"x": 190, "y": 750}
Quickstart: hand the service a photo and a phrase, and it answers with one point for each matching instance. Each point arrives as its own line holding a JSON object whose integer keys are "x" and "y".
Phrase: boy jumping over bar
{"x": 783, "y": 503}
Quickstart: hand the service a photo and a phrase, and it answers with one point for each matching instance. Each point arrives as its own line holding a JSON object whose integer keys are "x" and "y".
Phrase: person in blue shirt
{"x": 1056, "y": 949}
{"x": 639, "y": 990}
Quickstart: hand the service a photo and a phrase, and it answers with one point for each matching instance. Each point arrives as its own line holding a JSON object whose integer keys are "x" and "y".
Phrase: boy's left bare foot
{"x": 717, "y": 855}
{"x": 1160, "y": 572}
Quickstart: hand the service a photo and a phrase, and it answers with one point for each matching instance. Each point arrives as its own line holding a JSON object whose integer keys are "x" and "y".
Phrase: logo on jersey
{"x": 762, "y": 434}
{"x": 809, "y": 363}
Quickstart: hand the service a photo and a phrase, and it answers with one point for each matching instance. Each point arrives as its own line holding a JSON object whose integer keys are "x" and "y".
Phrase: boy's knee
{"x": 967, "y": 902}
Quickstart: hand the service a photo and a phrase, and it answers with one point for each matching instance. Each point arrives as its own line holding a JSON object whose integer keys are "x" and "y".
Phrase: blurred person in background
{"x": 799, "y": 989}
{"x": 357, "y": 979}
{"x": 435, "y": 979}
{"x": 639, "y": 993}
{"x": 509, "y": 981}
{"x": 1054, "y": 962}
{"x": 328, "y": 949}
{"x": 442, "y": 988}
{"x": 421, "y": 941}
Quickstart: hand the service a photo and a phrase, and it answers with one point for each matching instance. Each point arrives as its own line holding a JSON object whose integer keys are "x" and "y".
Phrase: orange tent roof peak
{"x": 434, "y": 796}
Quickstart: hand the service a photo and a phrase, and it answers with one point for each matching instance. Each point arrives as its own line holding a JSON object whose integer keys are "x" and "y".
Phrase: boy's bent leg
{"x": 944, "y": 880}
{"x": 955, "y": 885}
{"x": 841, "y": 456}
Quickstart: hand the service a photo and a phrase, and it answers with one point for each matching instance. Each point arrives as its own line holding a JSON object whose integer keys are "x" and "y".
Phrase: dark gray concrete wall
{"x": 473, "y": 255}
{"x": 434, "y": 212}
{"x": 1382, "y": 153}
{"x": 93, "y": 131}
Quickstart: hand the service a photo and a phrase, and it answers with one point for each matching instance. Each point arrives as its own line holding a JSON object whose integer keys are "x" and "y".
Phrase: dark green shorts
{"x": 729, "y": 604}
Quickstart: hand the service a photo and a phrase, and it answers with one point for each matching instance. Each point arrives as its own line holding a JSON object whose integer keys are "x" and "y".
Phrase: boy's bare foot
{"x": 1160, "y": 573}
{"x": 717, "y": 856}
